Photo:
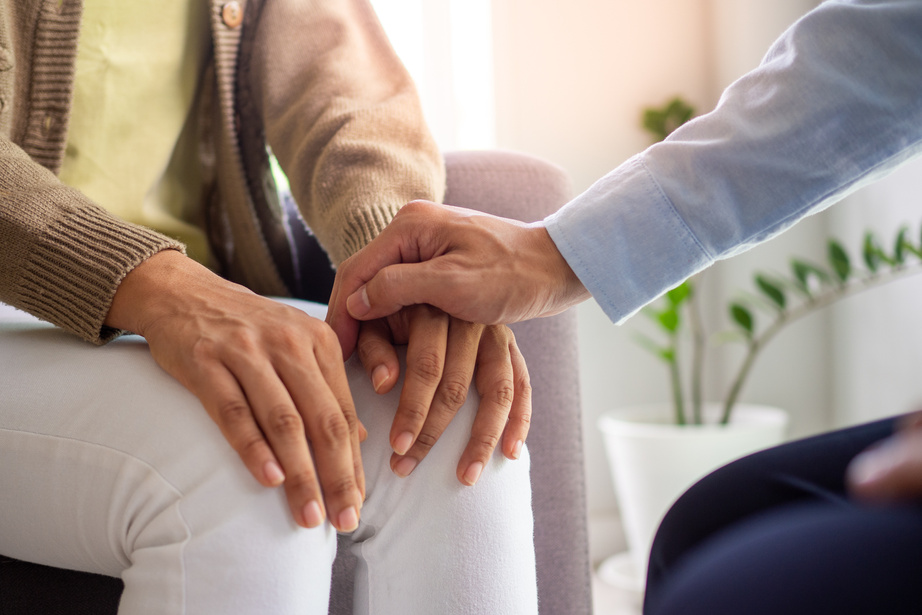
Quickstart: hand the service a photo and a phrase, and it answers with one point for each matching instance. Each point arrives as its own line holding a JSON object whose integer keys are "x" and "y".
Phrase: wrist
{"x": 145, "y": 289}
{"x": 564, "y": 287}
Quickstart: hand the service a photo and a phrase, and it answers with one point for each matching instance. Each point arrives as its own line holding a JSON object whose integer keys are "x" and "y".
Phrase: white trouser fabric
{"x": 109, "y": 465}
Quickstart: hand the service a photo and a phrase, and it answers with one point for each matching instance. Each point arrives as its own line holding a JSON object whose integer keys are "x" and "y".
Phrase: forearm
{"x": 343, "y": 117}
{"x": 62, "y": 257}
{"x": 837, "y": 103}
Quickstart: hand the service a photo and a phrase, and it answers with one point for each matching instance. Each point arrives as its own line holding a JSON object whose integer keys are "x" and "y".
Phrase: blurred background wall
{"x": 567, "y": 81}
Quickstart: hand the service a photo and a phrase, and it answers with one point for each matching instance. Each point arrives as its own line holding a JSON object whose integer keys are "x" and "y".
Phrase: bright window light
{"x": 446, "y": 46}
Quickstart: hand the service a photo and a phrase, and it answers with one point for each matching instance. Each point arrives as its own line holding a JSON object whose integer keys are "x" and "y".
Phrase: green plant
{"x": 781, "y": 297}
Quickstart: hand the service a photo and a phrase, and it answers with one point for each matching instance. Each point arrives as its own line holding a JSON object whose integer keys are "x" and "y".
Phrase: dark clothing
{"x": 776, "y": 533}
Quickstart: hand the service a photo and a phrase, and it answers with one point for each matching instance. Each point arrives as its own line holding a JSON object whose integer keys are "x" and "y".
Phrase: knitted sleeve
{"x": 61, "y": 256}
{"x": 342, "y": 116}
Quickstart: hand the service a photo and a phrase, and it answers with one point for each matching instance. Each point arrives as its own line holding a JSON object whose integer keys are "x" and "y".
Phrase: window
{"x": 447, "y": 47}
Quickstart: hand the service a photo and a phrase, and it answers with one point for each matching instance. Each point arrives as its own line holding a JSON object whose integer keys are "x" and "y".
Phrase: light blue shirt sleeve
{"x": 835, "y": 104}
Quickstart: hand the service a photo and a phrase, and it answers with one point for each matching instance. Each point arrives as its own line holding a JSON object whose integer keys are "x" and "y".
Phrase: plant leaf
{"x": 679, "y": 294}
{"x": 906, "y": 245}
{"x": 899, "y": 247}
{"x": 742, "y": 317}
{"x": 669, "y": 319}
{"x": 803, "y": 271}
{"x": 838, "y": 259}
{"x": 772, "y": 291}
{"x": 660, "y": 122}
{"x": 874, "y": 254}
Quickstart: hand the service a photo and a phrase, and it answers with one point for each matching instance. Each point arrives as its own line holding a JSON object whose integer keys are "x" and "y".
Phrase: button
{"x": 232, "y": 14}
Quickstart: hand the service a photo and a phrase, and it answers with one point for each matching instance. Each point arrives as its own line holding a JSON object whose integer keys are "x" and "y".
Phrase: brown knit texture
{"x": 61, "y": 256}
{"x": 337, "y": 108}
{"x": 358, "y": 148}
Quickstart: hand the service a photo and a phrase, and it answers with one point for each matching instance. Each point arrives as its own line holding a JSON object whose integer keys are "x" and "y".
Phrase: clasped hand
{"x": 273, "y": 380}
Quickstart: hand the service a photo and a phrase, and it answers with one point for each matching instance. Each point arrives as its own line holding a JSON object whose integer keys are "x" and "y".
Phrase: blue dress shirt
{"x": 835, "y": 105}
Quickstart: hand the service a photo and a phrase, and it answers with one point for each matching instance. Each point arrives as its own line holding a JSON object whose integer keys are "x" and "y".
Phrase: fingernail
{"x": 403, "y": 467}
{"x": 313, "y": 516}
{"x": 517, "y": 449}
{"x": 403, "y": 443}
{"x": 273, "y": 473}
{"x": 379, "y": 376}
{"x": 357, "y": 303}
{"x": 472, "y": 475}
{"x": 348, "y": 519}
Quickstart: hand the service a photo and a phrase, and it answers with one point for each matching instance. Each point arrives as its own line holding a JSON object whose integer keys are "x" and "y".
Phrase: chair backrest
{"x": 525, "y": 188}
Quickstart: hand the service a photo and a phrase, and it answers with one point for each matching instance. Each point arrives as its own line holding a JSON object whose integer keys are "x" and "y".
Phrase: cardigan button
{"x": 232, "y": 14}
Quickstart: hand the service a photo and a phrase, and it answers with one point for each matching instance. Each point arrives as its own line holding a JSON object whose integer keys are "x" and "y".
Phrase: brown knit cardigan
{"x": 315, "y": 80}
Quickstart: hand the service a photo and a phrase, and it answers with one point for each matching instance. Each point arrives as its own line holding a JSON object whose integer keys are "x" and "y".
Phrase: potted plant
{"x": 658, "y": 451}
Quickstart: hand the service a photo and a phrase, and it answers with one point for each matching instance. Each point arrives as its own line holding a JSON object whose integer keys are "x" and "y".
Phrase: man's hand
{"x": 891, "y": 470}
{"x": 476, "y": 267}
{"x": 270, "y": 376}
{"x": 442, "y": 355}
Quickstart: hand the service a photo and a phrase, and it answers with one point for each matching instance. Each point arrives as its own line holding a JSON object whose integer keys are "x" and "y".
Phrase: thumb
{"x": 390, "y": 290}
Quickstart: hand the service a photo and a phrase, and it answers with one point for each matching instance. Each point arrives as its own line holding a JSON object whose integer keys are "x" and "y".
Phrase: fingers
{"x": 428, "y": 333}
{"x": 302, "y": 406}
{"x": 520, "y": 416}
{"x": 226, "y": 404}
{"x": 460, "y": 360}
{"x": 397, "y": 244}
{"x": 269, "y": 375}
{"x": 330, "y": 430}
{"x": 376, "y": 352}
{"x": 890, "y": 471}
{"x": 505, "y": 404}
{"x": 441, "y": 283}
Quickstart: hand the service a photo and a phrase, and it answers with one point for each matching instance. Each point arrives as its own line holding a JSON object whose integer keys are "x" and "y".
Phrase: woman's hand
{"x": 891, "y": 470}
{"x": 270, "y": 376}
{"x": 443, "y": 354}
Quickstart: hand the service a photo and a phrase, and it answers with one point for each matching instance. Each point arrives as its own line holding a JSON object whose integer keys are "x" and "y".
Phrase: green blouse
{"x": 131, "y": 145}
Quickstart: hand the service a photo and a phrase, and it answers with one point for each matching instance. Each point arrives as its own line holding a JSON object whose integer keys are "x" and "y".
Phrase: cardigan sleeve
{"x": 343, "y": 118}
{"x": 61, "y": 256}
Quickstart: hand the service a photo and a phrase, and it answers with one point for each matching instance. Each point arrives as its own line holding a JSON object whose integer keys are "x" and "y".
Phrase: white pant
{"x": 108, "y": 465}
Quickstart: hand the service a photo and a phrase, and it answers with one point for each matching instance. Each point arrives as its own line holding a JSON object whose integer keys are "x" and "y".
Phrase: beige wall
{"x": 571, "y": 79}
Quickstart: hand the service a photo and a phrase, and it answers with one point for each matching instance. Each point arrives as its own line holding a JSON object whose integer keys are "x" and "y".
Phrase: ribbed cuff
{"x": 71, "y": 275}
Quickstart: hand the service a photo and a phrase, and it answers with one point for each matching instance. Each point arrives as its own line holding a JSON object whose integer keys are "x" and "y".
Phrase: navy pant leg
{"x": 779, "y": 524}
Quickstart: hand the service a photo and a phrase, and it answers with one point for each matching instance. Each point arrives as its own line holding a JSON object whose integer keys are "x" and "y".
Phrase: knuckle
{"x": 203, "y": 350}
{"x": 326, "y": 337}
{"x": 502, "y": 393}
{"x": 524, "y": 418}
{"x": 331, "y": 430}
{"x": 249, "y": 446}
{"x": 427, "y": 365}
{"x": 303, "y": 480}
{"x": 283, "y": 421}
{"x": 414, "y": 413}
{"x": 233, "y": 413}
{"x": 370, "y": 349}
{"x": 524, "y": 387}
{"x": 485, "y": 441}
{"x": 452, "y": 393}
{"x": 425, "y": 441}
{"x": 339, "y": 487}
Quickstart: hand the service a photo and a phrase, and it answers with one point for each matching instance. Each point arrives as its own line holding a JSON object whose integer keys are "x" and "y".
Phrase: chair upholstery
{"x": 507, "y": 184}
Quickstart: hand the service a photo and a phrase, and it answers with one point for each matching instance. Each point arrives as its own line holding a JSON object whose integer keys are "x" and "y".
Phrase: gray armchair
{"x": 506, "y": 184}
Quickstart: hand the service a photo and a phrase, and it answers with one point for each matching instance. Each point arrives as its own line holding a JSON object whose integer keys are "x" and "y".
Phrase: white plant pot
{"x": 654, "y": 461}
